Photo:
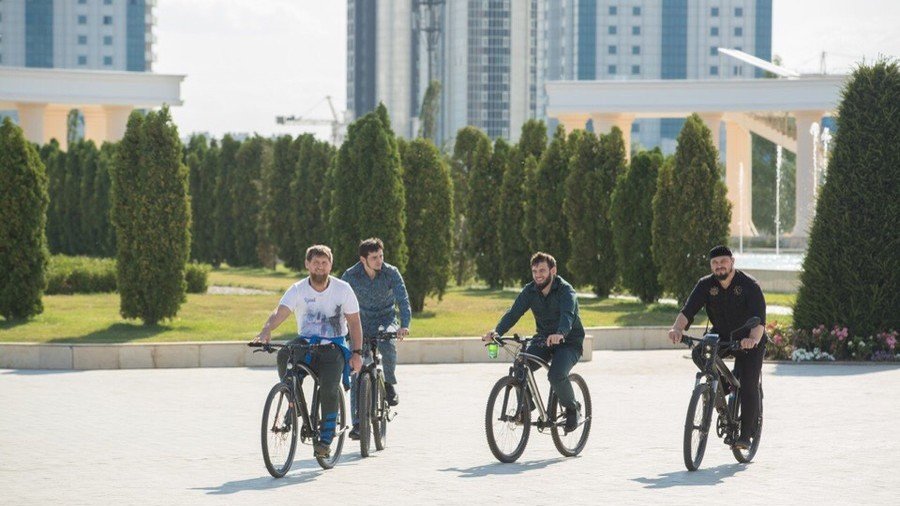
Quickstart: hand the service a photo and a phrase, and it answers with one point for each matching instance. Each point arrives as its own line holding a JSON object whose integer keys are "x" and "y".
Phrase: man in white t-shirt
{"x": 326, "y": 309}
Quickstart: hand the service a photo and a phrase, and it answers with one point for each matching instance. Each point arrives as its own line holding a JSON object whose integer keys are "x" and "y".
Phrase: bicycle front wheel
{"x": 279, "y": 430}
{"x": 745, "y": 456}
{"x": 380, "y": 413}
{"x": 337, "y": 443}
{"x": 570, "y": 444}
{"x": 364, "y": 413}
{"x": 696, "y": 426}
{"x": 507, "y": 420}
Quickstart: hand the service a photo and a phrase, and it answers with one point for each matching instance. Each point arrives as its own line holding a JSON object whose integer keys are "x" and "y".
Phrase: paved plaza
{"x": 191, "y": 436}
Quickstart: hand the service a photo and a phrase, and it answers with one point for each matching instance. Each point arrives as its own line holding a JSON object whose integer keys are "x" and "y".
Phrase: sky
{"x": 247, "y": 61}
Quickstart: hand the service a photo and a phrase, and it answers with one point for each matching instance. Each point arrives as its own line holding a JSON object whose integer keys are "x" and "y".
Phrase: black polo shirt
{"x": 727, "y": 309}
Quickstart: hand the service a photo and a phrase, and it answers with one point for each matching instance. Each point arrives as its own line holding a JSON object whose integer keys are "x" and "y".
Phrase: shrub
{"x": 68, "y": 275}
{"x": 196, "y": 275}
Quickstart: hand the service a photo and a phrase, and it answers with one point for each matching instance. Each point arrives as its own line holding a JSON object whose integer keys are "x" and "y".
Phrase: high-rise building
{"x": 77, "y": 34}
{"x": 486, "y": 58}
{"x": 654, "y": 39}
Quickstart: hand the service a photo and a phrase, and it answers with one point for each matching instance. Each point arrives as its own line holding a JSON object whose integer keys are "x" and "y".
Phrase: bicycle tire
{"x": 745, "y": 456}
{"x": 380, "y": 413}
{"x": 337, "y": 444}
{"x": 560, "y": 438}
{"x": 520, "y": 413}
{"x": 274, "y": 432}
{"x": 700, "y": 404}
{"x": 364, "y": 414}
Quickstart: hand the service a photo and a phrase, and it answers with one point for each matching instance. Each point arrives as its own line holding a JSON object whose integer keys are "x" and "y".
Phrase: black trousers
{"x": 747, "y": 368}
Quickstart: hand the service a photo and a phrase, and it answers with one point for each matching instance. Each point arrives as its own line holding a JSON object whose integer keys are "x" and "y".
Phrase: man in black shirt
{"x": 731, "y": 298}
{"x": 554, "y": 305}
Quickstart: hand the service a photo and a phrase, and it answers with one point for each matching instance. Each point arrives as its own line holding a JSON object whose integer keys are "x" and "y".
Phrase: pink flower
{"x": 890, "y": 340}
{"x": 778, "y": 339}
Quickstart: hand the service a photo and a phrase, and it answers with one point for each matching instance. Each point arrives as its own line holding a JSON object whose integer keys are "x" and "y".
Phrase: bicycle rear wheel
{"x": 380, "y": 413}
{"x": 279, "y": 430}
{"x": 337, "y": 443}
{"x": 507, "y": 420}
{"x": 745, "y": 456}
{"x": 696, "y": 426}
{"x": 572, "y": 443}
{"x": 364, "y": 413}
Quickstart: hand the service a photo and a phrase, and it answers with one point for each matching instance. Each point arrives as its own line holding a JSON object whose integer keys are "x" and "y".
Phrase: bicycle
{"x": 698, "y": 421}
{"x": 373, "y": 411}
{"x": 510, "y": 425}
{"x": 280, "y": 429}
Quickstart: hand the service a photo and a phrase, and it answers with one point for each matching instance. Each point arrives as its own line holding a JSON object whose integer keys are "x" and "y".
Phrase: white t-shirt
{"x": 321, "y": 313}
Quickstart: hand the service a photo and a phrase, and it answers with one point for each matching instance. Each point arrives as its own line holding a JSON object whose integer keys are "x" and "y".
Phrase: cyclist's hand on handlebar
{"x": 554, "y": 339}
{"x": 748, "y": 343}
{"x": 675, "y": 335}
{"x": 403, "y": 332}
{"x": 263, "y": 337}
{"x": 490, "y": 335}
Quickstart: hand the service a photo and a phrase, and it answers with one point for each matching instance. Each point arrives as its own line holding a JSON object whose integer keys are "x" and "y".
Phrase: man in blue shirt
{"x": 379, "y": 288}
{"x": 554, "y": 305}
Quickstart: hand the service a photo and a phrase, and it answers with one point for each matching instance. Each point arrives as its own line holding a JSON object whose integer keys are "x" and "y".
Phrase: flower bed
{"x": 822, "y": 344}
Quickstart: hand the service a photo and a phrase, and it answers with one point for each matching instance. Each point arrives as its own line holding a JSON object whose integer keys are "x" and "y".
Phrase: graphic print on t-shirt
{"x": 317, "y": 323}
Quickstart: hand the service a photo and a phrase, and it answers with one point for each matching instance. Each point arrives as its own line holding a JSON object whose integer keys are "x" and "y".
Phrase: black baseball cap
{"x": 720, "y": 251}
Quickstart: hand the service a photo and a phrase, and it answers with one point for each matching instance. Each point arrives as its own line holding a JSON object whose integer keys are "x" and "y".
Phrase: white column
{"x": 603, "y": 123}
{"x": 116, "y": 121}
{"x": 95, "y": 124}
{"x": 31, "y": 119}
{"x": 573, "y": 121}
{"x": 737, "y": 154}
{"x": 806, "y": 175}
{"x": 41, "y": 122}
{"x": 712, "y": 121}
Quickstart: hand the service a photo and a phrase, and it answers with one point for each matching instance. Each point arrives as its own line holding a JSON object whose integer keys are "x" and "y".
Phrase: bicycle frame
{"x": 521, "y": 370}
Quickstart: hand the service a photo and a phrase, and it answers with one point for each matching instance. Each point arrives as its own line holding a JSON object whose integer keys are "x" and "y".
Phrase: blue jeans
{"x": 388, "y": 351}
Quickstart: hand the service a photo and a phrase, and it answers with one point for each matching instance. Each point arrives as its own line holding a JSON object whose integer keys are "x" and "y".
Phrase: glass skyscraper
{"x": 77, "y": 34}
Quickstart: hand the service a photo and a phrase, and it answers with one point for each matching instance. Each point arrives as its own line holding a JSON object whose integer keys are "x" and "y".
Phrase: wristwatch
{"x": 358, "y": 352}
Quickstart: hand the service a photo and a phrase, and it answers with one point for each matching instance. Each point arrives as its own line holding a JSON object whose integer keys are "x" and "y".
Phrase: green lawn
{"x": 464, "y": 311}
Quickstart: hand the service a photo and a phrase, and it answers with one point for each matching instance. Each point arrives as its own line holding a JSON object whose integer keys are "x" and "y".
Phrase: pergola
{"x": 741, "y": 103}
{"x": 44, "y": 97}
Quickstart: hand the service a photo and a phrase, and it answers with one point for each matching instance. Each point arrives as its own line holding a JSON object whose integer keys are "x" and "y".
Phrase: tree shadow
{"x": 425, "y": 315}
{"x": 116, "y": 333}
{"x": 832, "y": 369}
{"x": 499, "y": 468}
{"x": 7, "y": 324}
{"x": 701, "y": 477}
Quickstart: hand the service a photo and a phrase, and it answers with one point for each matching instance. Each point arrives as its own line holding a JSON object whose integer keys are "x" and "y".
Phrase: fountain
{"x": 778, "y": 155}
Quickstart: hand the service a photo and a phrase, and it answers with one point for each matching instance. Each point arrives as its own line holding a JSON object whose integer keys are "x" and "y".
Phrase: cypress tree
{"x": 151, "y": 214}
{"x": 584, "y": 209}
{"x": 429, "y": 113}
{"x": 465, "y": 157}
{"x": 251, "y": 160}
{"x": 368, "y": 198}
{"x": 90, "y": 234}
{"x": 631, "y": 216}
{"x": 429, "y": 208}
{"x": 105, "y": 233}
{"x": 224, "y": 250}
{"x": 279, "y": 199}
{"x": 485, "y": 171}
{"x": 545, "y": 224}
{"x": 23, "y": 219}
{"x": 70, "y": 201}
{"x": 763, "y": 194}
{"x": 194, "y": 154}
{"x": 514, "y": 248}
{"x": 691, "y": 213}
{"x": 613, "y": 149}
{"x": 54, "y": 161}
{"x": 851, "y": 273}
{"x": 313, "y": 162}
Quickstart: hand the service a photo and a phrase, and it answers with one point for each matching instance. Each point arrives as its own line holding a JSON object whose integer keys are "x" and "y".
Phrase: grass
{"x": 94, "y": 318}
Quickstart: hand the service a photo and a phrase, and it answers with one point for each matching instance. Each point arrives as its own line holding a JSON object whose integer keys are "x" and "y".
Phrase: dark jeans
{"x": 562, "y": 358}
{"x": 747, "y": 368}
{"x": 328, "y": 364}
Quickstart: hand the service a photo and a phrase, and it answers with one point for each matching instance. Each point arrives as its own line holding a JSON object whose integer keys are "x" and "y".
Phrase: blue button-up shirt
{"x": 378, "y": 297}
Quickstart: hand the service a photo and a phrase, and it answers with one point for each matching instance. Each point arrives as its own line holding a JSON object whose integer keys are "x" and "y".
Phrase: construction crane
{"x": 336, "y": 123}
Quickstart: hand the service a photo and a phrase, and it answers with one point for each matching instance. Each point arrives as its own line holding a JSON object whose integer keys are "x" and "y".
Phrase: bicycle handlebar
{"x": 518, "y": 339}
{"x": 731, "y": 345}
{"x": 273, "y": 347}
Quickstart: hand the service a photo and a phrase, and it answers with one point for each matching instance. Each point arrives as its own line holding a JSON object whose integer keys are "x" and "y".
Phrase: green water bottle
{"x": 493, "y": 349}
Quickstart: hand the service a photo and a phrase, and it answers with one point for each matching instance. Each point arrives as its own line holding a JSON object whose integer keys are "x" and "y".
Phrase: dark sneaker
{"x": 321, "y": 449}
{"x": 392, "y": 398}
{"x": 354, "y": 432}
{"x": 743, "y": 443}
{"x": 573, "y": 417}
